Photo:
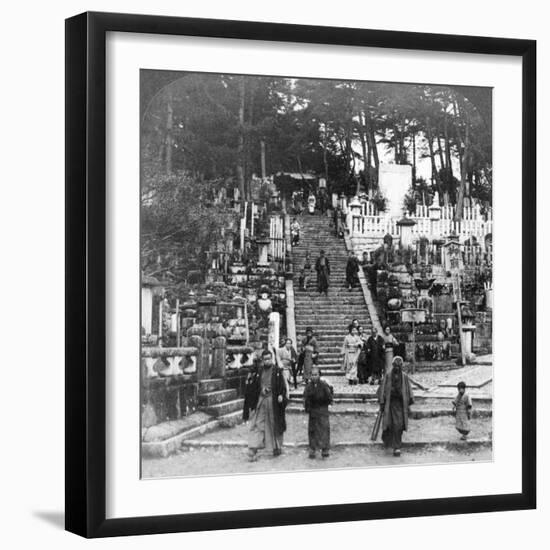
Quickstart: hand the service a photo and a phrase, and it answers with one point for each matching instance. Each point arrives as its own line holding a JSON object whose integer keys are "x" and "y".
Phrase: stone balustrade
{"x": 164, "y": 362}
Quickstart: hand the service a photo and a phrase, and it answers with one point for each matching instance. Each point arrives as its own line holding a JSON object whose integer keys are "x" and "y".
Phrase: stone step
{"x": 216, "y": 397}
{"x": 214, "y": 384}
{"x": 221, "y": 409}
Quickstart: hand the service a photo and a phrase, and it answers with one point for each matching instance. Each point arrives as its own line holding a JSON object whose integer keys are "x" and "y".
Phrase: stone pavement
{"x": 205, "y": 461}
{"x": 354, "y": 430}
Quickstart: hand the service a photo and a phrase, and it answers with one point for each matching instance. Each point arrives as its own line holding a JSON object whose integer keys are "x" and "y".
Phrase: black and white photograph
{"x": 316, "y": 274}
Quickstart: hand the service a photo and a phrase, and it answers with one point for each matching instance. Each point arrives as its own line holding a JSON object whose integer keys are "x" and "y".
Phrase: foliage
{"x": 180, "y": 222}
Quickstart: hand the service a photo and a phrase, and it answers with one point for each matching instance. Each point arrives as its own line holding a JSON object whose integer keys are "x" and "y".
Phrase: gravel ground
{"x": 213, "y": 461}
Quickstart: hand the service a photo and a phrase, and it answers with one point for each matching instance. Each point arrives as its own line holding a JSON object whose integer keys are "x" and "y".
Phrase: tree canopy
{"x": 202, "y": 131}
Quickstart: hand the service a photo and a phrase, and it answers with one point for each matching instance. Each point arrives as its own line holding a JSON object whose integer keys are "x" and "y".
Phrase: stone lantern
{"x": 452, "y": 256}
{"x": 355, "y": 206}
{"x": 405, "y": 226}
{"x": 434, "y": 212}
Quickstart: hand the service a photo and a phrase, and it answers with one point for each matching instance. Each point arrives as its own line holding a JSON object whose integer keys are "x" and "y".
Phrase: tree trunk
{"x": 240, "y": 145}
{"x": 169, "y": 137}
{"x": 262, "y": 154}
{"x": 371, "y": 141}
{"x": 440, "y": 147}
{"x": 414, "y": 159}
{"x": 463, "y": 169}
{"x": 435, "y": 174}
{"x": 325, "y": 161}
{"x": 448, "y": 151}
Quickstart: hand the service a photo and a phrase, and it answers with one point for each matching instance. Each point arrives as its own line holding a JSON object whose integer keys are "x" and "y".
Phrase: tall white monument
{"x": 394, "y": 181}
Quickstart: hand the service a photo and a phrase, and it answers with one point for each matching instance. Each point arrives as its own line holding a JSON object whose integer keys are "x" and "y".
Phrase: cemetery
{"x": 239, "y": 210}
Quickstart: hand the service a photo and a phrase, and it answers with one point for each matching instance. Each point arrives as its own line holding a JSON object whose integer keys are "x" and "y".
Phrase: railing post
{"x": 218, "y": 357}
{"x": 203, "y": 362}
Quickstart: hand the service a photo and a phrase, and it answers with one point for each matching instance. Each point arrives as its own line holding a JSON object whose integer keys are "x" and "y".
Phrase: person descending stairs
{"x": 328, "y": 315}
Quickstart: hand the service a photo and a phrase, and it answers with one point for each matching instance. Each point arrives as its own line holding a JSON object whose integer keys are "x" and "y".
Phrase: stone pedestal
{"x": 468, "y": 339}
{"x": 263, "y": 251}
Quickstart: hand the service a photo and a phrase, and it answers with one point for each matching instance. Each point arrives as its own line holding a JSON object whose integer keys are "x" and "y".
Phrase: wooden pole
{"x": 459, "y": 314}
{"x": 178, "y": 340}
{"x": 160, "y": 323}
{"x": 413, "y": 367}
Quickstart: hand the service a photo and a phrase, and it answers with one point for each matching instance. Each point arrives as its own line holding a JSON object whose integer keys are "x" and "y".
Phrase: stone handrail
{"x": 173, "y": 356}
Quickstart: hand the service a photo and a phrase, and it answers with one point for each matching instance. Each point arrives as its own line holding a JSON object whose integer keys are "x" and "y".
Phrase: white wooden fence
{"x": 277, "y": 246}
{"x": 376, "y": 226}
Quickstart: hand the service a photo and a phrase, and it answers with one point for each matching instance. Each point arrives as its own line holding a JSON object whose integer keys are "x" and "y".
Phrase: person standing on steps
{"x": 352, "y": 270}
{"x": 362, "y": 365}
{"x": 295, "y": 232}
{"x": 305, "y": 274}
{"x": 322, "y": 267}
{"x": 375, "y": 356}
{"x": 462, "y": 409}
{"x": 317, "y": 398}
{"x": 288, "y": 358}
{"x": 267, "y": 395}
{"x": 350, "y": 352}
{"x": 309, "y": 354}
{"x": 390, "y": 345}
{"x": 395, "y": 397}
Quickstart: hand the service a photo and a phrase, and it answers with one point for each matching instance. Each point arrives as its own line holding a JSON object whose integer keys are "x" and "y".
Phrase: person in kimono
{"x": 266, "y": 394}
{"x": 317, "y": 398}
{"x": 295, "y": 232}
{"x": 305, "y": 274}
{"x": 374, "y": 348}
{"x": 462, "y": 408}
{"x": 350, "y": 352}
{"x": 352, "y": 270}
{"x": 288, "y": 359}
{"x": 323, "y": 272}
{"x": 395, "y": 397}
{"x": 309, "y": 353}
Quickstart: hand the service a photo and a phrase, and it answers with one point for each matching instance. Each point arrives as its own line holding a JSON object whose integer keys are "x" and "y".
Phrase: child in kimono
{"x": 462, "y": 408}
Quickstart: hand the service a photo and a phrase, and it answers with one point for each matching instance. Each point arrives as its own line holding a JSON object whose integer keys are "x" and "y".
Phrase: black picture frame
{"x": 86, "y": 283}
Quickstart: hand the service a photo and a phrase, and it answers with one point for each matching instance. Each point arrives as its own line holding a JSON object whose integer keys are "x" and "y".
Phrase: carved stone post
{"x": 203, "y": 363}
{"x": 218, "y": 357}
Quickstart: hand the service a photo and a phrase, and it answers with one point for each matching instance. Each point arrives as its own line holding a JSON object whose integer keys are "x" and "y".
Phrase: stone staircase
{"x": 217, "y": 401}
{"x": 329, "y": 316}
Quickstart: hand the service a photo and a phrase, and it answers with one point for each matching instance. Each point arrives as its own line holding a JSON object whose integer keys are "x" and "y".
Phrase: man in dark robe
{"x": 323, "y": 272}
{"x": 317, "y": 398}
{"x": 374, "y": 348}
{"x": 395, "y": 397}
{"x": 266, "y": 393}
{"x": 352, "y": 270}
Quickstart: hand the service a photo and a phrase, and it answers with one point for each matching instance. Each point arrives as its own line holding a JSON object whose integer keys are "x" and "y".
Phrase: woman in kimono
{"x": 309, "y": 353}
{"x": 462, "y": 407}
{"x": 317, "y": 398}
{"x": 395, "y": 397}
{"x": 350, "y": 351}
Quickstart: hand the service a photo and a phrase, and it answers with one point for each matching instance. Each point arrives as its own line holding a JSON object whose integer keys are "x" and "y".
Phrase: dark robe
{"x": 323, "y": 272}
{"x": 374, "y": 348}
{"x": 252, "y": 392}
{"x": 317, "y": 398}
{"x": 395, "y": 397}
{"x": 352, "y": 269}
